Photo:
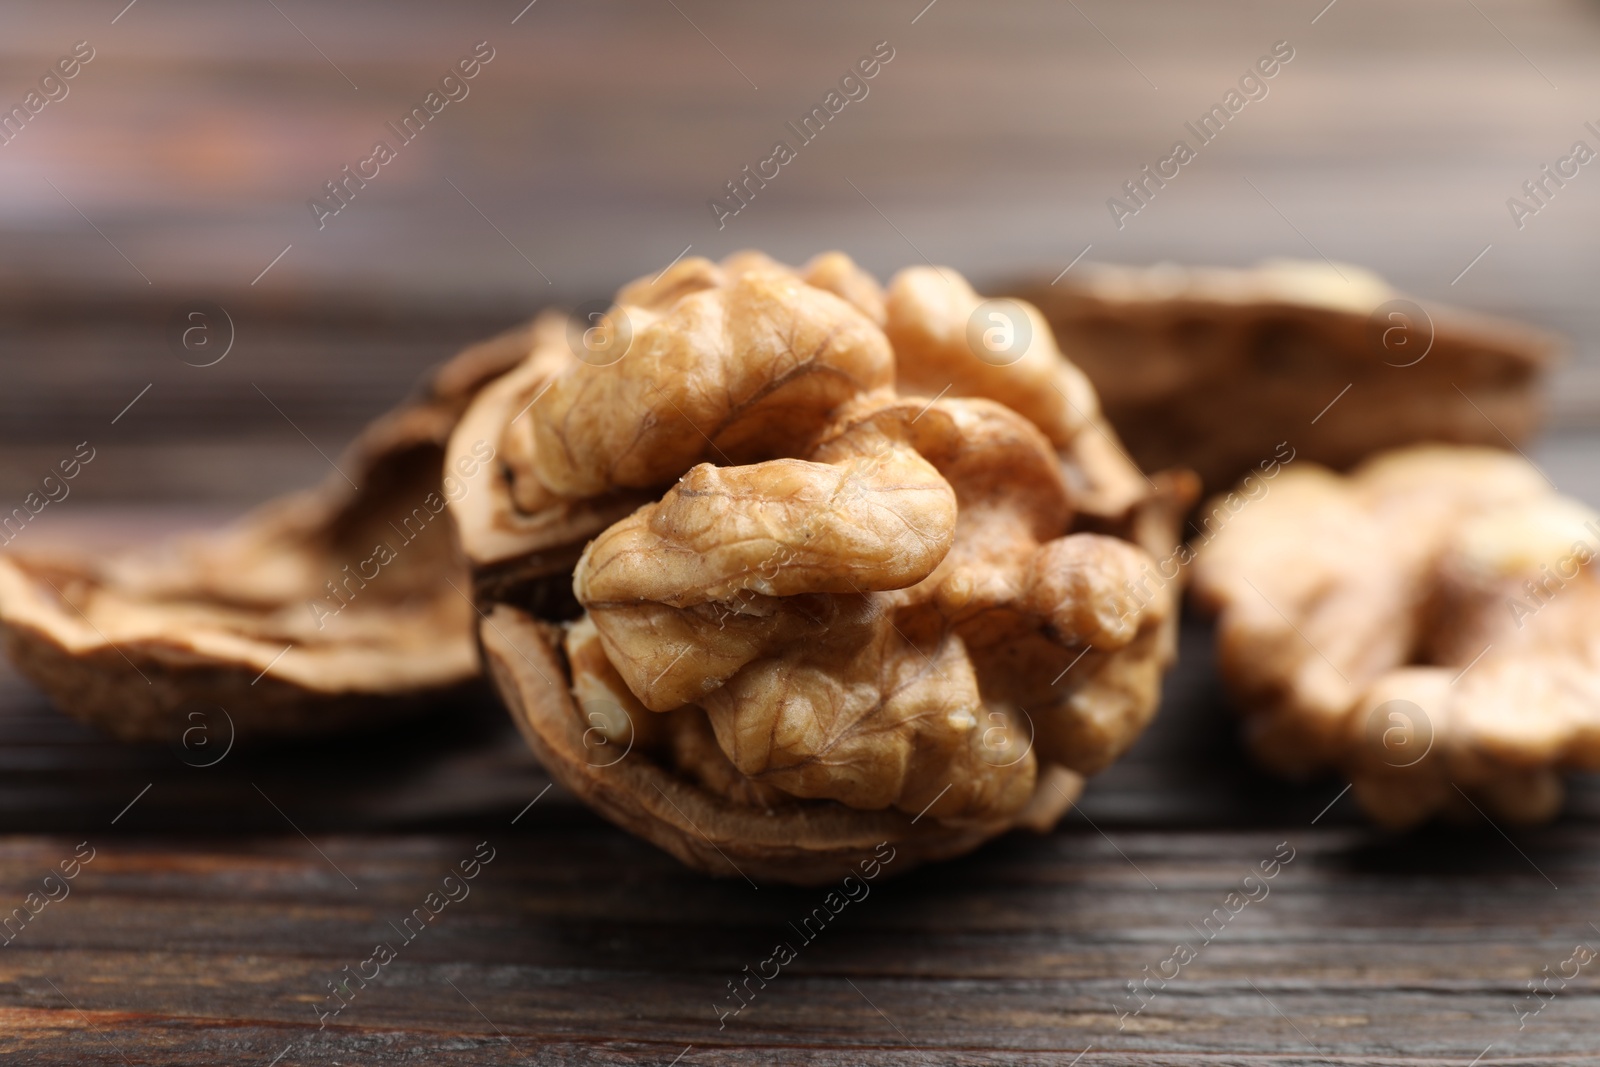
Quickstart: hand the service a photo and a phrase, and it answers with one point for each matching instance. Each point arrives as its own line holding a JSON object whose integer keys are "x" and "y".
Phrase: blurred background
{"x": 179, "y": 165}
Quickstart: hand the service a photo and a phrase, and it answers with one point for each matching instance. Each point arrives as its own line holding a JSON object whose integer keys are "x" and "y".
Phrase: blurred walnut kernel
{"x": 1427, "y": 626}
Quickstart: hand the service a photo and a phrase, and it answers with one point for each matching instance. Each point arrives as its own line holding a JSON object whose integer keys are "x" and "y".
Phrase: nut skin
{"x": 1400, "y": 657}
{"x": 929, "y": 310}
{"x": 735, "y": 372}
{"x": 881, "y": 518}
{"x": 928, "y": 313}
{"x": 842, "y": 603}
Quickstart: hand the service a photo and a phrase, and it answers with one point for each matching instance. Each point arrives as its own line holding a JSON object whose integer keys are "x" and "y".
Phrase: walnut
{"x": 815, "y": 610}
{"x": 1425, "y": 625}
{"x": 323, "y": 610}
{"x": 677, "y": 352}
{"x": 1210, "y": 367}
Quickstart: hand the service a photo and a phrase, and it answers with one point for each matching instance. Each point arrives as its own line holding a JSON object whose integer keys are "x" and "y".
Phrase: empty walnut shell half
{"x": 1429, "y": 626}
{"x": 323, "y": 610}
{"x": 1210, "y": 367}
{"x": 784, "y": 577}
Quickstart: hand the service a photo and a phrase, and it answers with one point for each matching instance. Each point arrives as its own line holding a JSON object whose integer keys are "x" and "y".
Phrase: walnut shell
{"x": 1425, "y": 625}
{"x": 323, "y": 610}
{"x": 1210, "y": 367}
{"x": 816, "y": 611}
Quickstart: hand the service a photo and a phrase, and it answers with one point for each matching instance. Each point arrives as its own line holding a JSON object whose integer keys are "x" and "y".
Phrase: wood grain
{"x": 590, "y": 947}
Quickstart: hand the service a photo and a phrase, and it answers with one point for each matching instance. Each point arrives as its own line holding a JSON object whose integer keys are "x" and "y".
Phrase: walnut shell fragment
{"x": 1211, "y": 367}
{"x": 1429, "y": 626}
{"x": 826, "y": 591}
{"x": 323, "y": 610}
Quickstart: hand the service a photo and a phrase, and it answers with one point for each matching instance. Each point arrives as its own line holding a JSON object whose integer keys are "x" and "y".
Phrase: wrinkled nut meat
{"x": 828, "y": 579}
{"x": 324, "y": 610}
{"x": 1429, "y": 626}
{"x": 1210, "y": 367}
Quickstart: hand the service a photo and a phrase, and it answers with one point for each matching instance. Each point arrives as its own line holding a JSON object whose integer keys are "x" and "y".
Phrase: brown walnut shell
{"x": 324, "y": 610}
{"x": 1211, "y": 367}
